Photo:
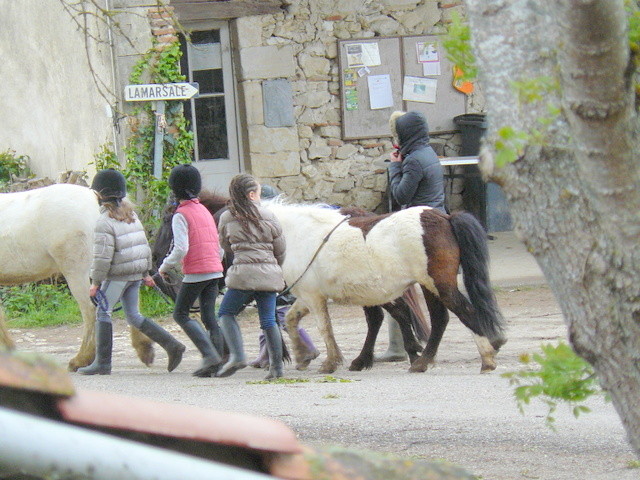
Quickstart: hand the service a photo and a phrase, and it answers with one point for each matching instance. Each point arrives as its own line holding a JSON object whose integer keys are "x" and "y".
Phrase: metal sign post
{"x": 159, "y": 93}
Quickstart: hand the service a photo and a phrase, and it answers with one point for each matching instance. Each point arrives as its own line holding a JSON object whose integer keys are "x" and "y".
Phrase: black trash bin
{"x": 474, "y": 196}
{"x": 486, "y": 201}
{"x": 472, "y": 126}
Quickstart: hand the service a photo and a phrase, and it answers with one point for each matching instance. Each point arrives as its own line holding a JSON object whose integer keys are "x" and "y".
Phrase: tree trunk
{"x": 575, "y": 196}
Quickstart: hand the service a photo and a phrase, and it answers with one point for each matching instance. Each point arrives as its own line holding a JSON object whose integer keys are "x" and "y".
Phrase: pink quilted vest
{"x": 204, "y": 247}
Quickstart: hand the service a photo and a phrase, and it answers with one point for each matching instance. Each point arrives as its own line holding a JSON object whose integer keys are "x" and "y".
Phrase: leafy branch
{"x": 556, "y": 375}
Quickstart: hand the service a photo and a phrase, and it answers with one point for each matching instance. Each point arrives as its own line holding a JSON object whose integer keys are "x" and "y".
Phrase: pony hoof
{"x": 418, "y": 367}
{"x": 147, "y": 355}
{"x": 488, "y": 368}
{"x": 75, "y": 363}
{"x": 356, "y": 366}
{"x": 326, "y": 369}
{"x": 303, "y": 364}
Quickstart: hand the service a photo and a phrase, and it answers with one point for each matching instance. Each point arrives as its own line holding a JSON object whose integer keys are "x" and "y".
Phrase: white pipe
{"x": 44, "y": 448}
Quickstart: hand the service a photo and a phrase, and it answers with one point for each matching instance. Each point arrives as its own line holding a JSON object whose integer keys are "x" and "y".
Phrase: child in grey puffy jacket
{"x": 121, "y": 262}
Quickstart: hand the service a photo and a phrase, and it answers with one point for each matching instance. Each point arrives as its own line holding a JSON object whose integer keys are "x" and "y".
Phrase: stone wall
{"x": 310, "y": 161}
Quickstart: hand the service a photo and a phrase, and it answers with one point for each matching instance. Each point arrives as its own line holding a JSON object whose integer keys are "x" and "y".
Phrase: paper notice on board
{"x": 418, "y": 89}
{"x": 363, "y": 54}
{"x": 427, "y": 52}
{"x": 430, "y": 68}
{"x": 380, "y": 95}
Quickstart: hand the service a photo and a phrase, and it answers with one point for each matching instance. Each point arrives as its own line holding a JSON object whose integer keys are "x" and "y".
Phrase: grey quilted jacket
{"x": 258, "y": 253}
{"x": 120, "y": 250}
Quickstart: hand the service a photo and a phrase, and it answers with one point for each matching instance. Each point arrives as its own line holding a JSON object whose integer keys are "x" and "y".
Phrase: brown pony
{"x": 370, "y": 261}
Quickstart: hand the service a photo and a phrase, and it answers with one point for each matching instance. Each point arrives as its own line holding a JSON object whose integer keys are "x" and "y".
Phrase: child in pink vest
{"x": 196, "y": 250}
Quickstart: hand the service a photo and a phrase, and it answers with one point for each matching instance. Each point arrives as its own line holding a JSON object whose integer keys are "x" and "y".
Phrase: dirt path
{"x": 450, "y": 412}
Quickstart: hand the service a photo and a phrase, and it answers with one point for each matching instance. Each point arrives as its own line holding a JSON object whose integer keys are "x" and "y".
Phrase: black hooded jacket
{"x": 418, "y": 179}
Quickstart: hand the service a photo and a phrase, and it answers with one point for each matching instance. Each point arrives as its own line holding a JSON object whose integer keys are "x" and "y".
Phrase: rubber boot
{"x": 173, "y": 347}
{"x": 395, "y": 352}
{"x": 233, "y": 337}
{"x": 312, "y": 351}
{"x": 262, "y": 360}
{"x": 274, "y": 346}
{"x": 210, "y": 358}
{"x": 104, "y": 345}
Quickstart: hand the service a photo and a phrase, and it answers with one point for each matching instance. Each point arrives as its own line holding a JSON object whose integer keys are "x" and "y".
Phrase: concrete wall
{"x": 50, "y": 107}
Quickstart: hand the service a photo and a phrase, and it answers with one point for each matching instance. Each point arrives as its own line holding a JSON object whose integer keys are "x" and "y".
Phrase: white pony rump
{"x": 349, "y": 267}
{"x": 47, "y": 232}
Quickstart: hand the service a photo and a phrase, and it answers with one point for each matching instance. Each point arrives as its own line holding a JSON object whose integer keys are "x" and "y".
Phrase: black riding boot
{"x": 233, "y": 337}
{"x": 104, "y": 345}
{"x": 210, "y": 358}
{"x": 274, "y": 346}
{"x": 173, "y": 347}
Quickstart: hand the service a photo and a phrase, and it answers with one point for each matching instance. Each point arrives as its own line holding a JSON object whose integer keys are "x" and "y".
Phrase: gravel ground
{"x": 450, "y": 412}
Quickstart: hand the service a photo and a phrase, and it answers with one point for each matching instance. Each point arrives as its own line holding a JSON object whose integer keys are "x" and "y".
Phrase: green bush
{"x": 12, "y": 165}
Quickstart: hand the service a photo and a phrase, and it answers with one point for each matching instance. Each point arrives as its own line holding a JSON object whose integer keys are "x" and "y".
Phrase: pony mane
{"x": 321, "y": 212}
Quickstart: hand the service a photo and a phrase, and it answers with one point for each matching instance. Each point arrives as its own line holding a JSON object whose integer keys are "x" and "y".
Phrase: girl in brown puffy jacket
{"x": 254, "y": 236}
{"x": 121, "y": 262}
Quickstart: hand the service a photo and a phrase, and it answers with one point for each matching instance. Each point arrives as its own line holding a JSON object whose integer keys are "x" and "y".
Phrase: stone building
{"x": 239, "y": 49}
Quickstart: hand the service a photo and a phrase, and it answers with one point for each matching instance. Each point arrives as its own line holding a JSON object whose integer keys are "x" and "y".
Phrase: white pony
{"x": 371, "y": 261}
{"x": 49, "y": 231}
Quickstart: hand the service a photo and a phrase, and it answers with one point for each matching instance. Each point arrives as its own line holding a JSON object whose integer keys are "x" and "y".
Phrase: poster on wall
{"x": 351, "y": 99}
{"x": 429, "y": 58}
{"x": 380, "y": 95}
{"x": 419, "y": 89}
{"x": 362, "y": 55}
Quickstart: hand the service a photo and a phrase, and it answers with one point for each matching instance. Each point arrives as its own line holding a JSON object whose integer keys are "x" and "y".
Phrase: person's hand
{"x": 395, "y": 156}
{"x": 93, "y": 290}
{"x": 148, "y": 281}
{"x": 164, "y": 275}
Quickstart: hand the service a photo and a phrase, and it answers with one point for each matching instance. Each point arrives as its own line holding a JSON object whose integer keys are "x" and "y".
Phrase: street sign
{"x": 160, "y": 91}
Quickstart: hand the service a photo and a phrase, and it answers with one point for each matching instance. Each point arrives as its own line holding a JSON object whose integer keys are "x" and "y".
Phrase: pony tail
{"x": 240, "y": 206}
{"x": 474, "y": 258}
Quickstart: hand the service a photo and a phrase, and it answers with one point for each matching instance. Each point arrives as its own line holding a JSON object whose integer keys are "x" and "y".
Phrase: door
{"x": 206, "y": 60}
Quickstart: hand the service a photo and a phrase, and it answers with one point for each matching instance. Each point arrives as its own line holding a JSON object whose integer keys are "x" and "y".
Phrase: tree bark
{"x": 574, "y": 197}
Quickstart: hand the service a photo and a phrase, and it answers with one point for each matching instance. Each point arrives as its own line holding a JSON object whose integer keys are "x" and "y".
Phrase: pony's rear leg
{"x": 143, "y": 346}
{"x": 79, "y": 286}
{"x": 334, "y": 356}
{"x": 487, "y": 353}
{"x": 401, "y": 312}
{"x": 374, "y": 317}
{"x": 5, "y": 338}
{"x": 295, "y": 313}
{"x": 463, "y": 309}
{"x": 439, "y": 321}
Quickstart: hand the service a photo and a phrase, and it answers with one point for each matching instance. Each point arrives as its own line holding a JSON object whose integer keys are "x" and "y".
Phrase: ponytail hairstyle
{"x": 120, "y": 209}
{"x": 240, "y": 206}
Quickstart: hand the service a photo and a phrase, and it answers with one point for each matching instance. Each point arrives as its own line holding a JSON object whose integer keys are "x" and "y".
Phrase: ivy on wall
{"x": 161, "y": 64}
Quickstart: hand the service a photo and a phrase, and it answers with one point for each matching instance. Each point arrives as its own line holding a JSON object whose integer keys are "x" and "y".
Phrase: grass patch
{"x": 283, "y": 380}
{"x": 331, "y": 379}
{"x": 633, "y": 464}
{"x": 36, "y": 305}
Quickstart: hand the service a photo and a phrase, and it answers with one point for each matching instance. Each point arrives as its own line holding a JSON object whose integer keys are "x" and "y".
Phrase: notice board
{"x": 381, "y": 75}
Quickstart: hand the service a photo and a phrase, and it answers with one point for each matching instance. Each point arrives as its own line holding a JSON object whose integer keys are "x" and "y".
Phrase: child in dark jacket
{"x": 121, "y": 261}
{"x": 196, "y": 249}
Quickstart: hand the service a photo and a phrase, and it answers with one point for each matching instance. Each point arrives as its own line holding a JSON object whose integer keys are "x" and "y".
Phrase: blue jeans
{"x": 234, "y": 300}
